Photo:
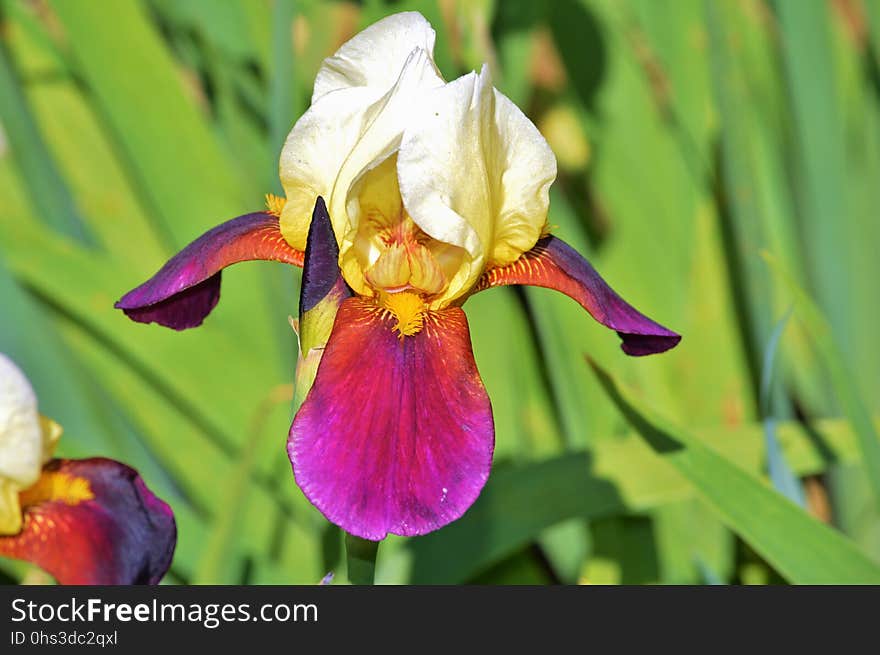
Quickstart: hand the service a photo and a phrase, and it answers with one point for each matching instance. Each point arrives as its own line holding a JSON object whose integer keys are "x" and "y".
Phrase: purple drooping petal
{"x": 187, "y": 287}
{"x": 396, "y": 435}
{"x": 554, "y": 264}
{"x": 94, "y": 521}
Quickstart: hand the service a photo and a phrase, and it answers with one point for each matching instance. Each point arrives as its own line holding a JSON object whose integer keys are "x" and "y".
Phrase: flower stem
{"x": 361, "y": 557}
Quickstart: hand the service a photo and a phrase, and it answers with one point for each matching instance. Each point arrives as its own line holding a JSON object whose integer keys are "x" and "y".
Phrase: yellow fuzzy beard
{"x": 408, "y": 309}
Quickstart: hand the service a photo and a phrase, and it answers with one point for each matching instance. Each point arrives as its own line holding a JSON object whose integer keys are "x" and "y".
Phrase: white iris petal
{"x": 21, "y": 442}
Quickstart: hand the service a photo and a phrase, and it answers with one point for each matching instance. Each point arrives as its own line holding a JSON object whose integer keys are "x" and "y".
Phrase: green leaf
{"x": 821, "y": 167}
{"x": 183, "y": 174}
{"x": 47, "y": 189}
{"x": 515, "y": 506}
{"x": 767, "y": 522}
{"x": 27, "y": 336}
{"x": 781, "y": 475}
{"x": 361, "y": 559}
{"x": 620, "y": 476}
{"x": 744, "y": 226}
{"x": 285, "y": 92}
{"x": 843, "y": 383}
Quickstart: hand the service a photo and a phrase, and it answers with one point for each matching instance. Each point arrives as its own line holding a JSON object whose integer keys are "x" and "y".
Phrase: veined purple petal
{"x": 396, "y": 435}
{"x": 554, "y": 264}
{"x": 187, "y": 287}
{"x": 94, "y": 521}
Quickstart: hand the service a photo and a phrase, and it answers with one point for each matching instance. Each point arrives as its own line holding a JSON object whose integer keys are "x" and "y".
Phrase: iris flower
{"x": 86, "y": 521}
{"x": 434, "y": 191}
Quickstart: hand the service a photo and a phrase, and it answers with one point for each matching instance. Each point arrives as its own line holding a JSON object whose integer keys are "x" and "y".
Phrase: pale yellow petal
{"x": 21, "y": 437}
{"x": 22, "y": 445}
{"x": 391, "y": 269}
{"x": 314, "y": 152}
{"x": 51, "y": 432}
{"x": 10, "y": 508}
{"x": 377, "y": 209}
{"x": 379, "y": 142}
{"x": 474, "y": 172}
{"x": 374, "y": 57}
{"x": 442, "y": 171}
{"x": 522, "y": 198}
{"x": 342, "y": 136}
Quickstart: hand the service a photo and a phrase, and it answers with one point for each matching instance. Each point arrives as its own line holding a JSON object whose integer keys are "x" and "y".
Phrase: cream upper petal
{"x": 346, "y": 132}
{"x": 522, "y": 195}
{"x": 314, "y": 152}
{"x": 475, "y": 172}
{"x": 379, "y": 141}
{"x": 21, "y": 442}
{"x": 374, "y": 57}
{"x": 441, "y": 168}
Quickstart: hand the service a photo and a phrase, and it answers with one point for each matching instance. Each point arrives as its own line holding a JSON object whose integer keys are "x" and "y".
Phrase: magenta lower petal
{"x": 187, "y": 287}
{"x": 396, "y": 435}
{"x": 94, "y": 521}
{"x": 554, "y": 264}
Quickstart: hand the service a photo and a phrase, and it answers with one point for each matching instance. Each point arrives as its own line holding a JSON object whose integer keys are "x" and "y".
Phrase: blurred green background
{"x": 719, "y": 162}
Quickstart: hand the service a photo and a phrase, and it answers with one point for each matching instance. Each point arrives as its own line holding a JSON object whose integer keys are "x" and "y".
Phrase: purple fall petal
{"x": 187, "y": 287}
{"x": 396, "y": 435}
{"x": 94, "y": 521}
{"x": 554, "y": 264}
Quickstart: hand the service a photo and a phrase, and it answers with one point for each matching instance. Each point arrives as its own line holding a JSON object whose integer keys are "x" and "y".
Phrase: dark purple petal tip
{"x": 321, "y": 262}
{"x": 180, "y": 311}
{"x": 187, "y": 287}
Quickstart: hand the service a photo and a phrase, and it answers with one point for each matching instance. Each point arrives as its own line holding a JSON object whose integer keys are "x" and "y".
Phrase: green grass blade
{"x": 767, "y": 522}
{"x": 781, "y": 475}
{"x": 179, "y": 164}
{"x": 620, "y": 476}
{"x": 687, "y": 533}
{"x": 506, "y": 516}
{"x": 285, "y": 93}
{"x": 820, "y": 166}
{"x": 27, "y": 336}
{"x": 182, "y": 173}
{"x": 361, "y": 558}
{"x": 842, "y": 381}
{"x": 46, "y": 189}
{"x": 744, "y": 225}
{"x": 217, "y": 564}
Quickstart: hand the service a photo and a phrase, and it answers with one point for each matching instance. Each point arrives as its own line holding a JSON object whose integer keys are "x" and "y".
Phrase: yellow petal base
{"x": 10, "y": 510}
{"x": 59, "y": 487}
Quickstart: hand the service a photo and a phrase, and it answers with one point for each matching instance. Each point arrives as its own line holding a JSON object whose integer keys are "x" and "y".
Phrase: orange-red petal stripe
{"x": 554, "y": 264}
